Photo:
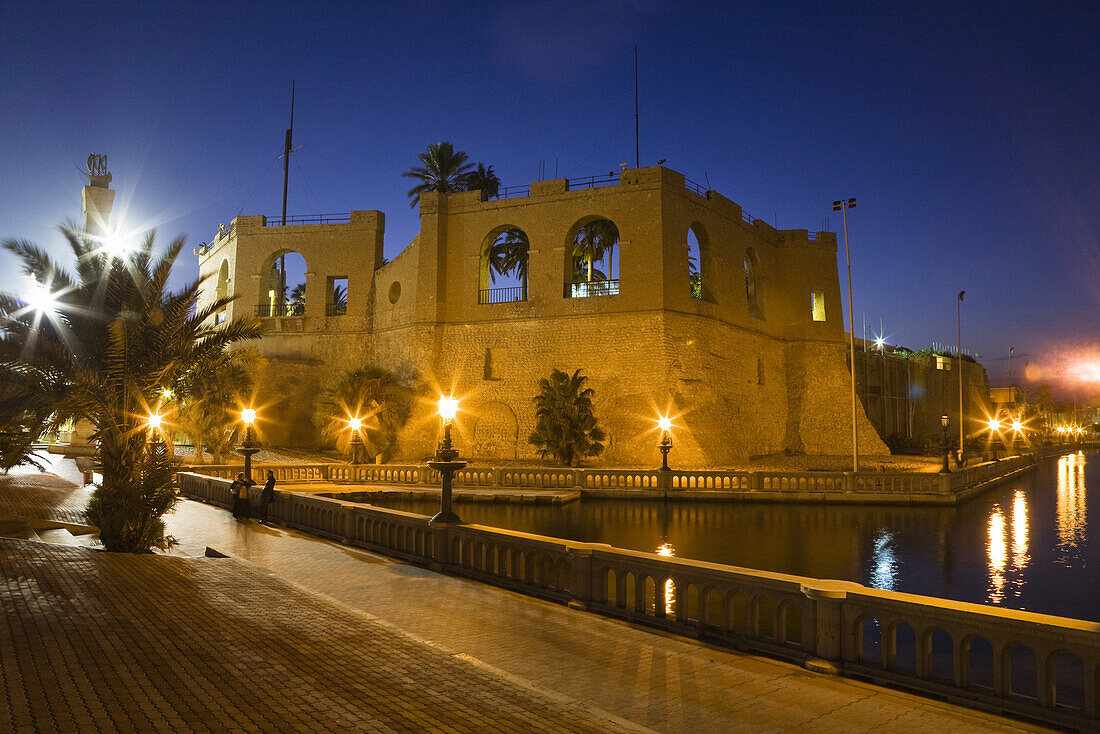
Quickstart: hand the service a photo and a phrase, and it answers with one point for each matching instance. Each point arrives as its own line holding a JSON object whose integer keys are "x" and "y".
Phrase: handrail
{"x": 590, "y": 182}
{"x": 792, "y": 617}
{"x": 507, "y": 294}
{"x": 277, "y": 221}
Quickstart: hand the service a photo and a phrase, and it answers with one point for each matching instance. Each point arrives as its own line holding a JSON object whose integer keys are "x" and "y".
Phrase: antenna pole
{"x": 286, "y": 180}
{"x": 637, "y": 157}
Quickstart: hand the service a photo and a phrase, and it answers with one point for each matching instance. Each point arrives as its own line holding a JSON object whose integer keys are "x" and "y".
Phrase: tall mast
{"x": 286, "y": 180}
{"x": 637, "y": 163}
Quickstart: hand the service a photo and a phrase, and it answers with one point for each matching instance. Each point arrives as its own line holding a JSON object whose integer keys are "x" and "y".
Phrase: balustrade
{"x": 1034, "y": 665}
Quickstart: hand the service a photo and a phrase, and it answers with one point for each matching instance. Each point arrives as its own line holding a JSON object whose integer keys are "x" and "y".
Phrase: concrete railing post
{"x": 828, "y": 643}
{"x": 441, "y": 546}
{"x": 581, "y": 563}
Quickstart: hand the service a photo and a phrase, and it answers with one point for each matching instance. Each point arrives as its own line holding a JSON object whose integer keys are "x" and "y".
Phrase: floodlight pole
{"x": 843, "y": 206}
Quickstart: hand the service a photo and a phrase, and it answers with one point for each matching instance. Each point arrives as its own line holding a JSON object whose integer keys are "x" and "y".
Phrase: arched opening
{"x": 790, "y": 623}
{"x": 752, "y": 284}
{"x": 503, "y": 270}
{"x": 739, "y": 613}
{"x": 222, "y": 291}
{"x": 869, "y": 641}
{"x": 941, "y": 655}
{"x": 283, "y": 287}
{"x": 695, "y": 260}
{"x": 1068, "y": 678}
{"x": 715, "y": 611}
{"x": 1023, "y": 673}
{"x": 611, "y": 589}
{"x": 905, "y": 648}
{"x": 979, "y": 668}
{"x": 592, "y": 263}
{"x": 764, "y": 614}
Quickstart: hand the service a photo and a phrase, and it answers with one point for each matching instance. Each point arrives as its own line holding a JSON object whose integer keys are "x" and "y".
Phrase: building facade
{"x": 751, "y": 355}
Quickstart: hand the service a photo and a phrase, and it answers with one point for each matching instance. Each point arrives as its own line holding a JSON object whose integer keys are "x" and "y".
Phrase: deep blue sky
{"x": 968, "y": 131}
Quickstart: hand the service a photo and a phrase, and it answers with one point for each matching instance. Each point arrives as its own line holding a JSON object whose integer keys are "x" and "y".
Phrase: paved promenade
{"x": 320, "y": 637}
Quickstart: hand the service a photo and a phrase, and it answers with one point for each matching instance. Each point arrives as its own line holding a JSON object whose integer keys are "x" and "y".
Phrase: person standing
{"x": 267, "y": 496}
{"x": 239, "y": 490}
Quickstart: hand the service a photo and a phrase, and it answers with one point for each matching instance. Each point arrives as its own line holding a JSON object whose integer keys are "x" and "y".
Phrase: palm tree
{"x": 205, "y": 409}
{"x": 103, "y": 344}
{"x": 484, "y": 180}
{"x": 382, "y": 399}
{"x": 565, "y": 426}
{"x": 444, "y": 170}
{"x": 509, "y": 255}
{"x": 593, "y": 240}
{"x": 296, "y": 304}
{"x": 339, "y": 300}
{"x": 695, "y": 278}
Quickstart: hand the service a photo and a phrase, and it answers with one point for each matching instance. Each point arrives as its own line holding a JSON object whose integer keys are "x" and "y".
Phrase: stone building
{"x": 751, "y": 355}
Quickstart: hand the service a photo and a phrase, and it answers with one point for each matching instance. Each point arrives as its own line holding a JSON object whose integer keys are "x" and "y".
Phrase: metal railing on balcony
{"x": 336, "y": 309}
{"x": 510, "y": 294}
{"x": 591, "y": 182}
{"x": 697, "y": 188}
{"x": 277, "y": 221}
{"x": 268, "y": 310}
{"x": 511, "y": 192}
{"x": 592, "y": 288}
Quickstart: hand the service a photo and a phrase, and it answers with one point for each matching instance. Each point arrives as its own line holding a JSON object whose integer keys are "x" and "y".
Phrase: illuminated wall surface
{"x": 698, "y": 307}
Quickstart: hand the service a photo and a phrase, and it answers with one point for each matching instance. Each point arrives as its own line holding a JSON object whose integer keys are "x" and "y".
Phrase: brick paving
{"x": 96, "y": 641}
{"x": 340, "y": 639}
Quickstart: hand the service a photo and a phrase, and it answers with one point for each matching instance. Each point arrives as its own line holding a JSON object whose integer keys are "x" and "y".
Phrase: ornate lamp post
{"x": 248, "y": 415}
{"x": 994, "y": 428}
{"x": 356, "y": 440}
{"x": 446, "y": 463}
{"x": 945, "y": 421}
{"x": 665, "y": 444}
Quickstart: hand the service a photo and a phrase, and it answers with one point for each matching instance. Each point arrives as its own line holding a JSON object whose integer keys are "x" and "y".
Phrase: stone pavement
{"x": 98, "y": 641}
{"x": 338, "y": 639}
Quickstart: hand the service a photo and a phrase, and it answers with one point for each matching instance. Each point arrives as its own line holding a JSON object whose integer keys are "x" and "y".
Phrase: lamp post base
{"x": 446, "y": 469}
{"x": 247, "y": 452}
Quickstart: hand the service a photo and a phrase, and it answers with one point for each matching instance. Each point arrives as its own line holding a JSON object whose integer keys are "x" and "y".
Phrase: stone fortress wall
{"x": 746, "y": 367}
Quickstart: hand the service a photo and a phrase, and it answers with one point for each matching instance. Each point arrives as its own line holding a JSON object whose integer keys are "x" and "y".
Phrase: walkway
{"x": 339, "y": 639}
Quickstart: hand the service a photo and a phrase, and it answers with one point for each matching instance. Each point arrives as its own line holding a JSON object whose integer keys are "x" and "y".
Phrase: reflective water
{"x": 1028, "y": 544}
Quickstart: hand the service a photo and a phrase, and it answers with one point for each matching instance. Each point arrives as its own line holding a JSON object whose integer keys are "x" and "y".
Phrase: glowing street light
{"x": 446, "y": 462}
{"x": 154, "y": 421}
{"x": 355, "y": 423}
{"x": 664, "y": 423}
{"x": 945, "y": 421}
{"x": 993, "y": 425}
{"x": 247, "y": 449}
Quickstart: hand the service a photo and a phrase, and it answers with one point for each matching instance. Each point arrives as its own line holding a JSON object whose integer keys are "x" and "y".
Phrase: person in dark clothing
{"x": 239, "y": 491}
{"x": 267, "y": 496}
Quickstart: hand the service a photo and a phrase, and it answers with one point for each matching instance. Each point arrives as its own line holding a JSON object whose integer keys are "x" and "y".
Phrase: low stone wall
{"x": 1036, "y": 662}
{"x": 788, "y": 486}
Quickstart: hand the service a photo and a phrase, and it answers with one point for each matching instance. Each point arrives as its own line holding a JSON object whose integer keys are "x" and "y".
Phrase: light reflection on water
{"x": 1072, "y": 515}
{"x": 1024, "y": 545}
{"x": 666, "y": 549}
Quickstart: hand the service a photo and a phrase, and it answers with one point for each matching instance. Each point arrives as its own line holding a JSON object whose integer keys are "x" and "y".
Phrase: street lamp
{"x": 843, "y": 206}
{"x": 945, "y": 421}
{"x": 355, "y": 424}
{"x": 665, "y": 444}
{"x": 446, "y": 462}
{"x": 994, "y": 428}
{"x": 247, "y": 449}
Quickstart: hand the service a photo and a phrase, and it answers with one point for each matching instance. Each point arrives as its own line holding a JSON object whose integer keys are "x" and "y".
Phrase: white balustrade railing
{"x": 917, "y": 486}
{"x": 1033, "y": 665}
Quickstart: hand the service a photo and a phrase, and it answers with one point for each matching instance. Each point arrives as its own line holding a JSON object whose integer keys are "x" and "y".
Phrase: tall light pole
{"x": 843, "y": 207}
{"x": 958, "y": 316}
{"x": 247, "y": 449}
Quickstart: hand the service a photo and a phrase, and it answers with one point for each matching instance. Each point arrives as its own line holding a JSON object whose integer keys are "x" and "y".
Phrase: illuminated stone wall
{"x": 744, "y": 380}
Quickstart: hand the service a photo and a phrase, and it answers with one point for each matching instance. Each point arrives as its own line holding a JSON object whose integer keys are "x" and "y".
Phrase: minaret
{"x": 97, "y": 198}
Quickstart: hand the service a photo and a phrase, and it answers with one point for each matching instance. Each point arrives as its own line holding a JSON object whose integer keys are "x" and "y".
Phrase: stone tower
{"x": 97, "y": 199}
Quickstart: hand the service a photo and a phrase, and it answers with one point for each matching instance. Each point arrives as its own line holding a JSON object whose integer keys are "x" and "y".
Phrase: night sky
{"x": 968, "y": 131}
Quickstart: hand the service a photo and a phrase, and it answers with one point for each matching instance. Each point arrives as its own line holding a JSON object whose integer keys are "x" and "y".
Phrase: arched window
{"x": 695, "y": 261}
{"x": 503, "y": 271}
{"x": 591, "y": 266}
{"x": 283, "y": 291}
{"x": 752, "y": 284}
{"x": 222, "y": 291}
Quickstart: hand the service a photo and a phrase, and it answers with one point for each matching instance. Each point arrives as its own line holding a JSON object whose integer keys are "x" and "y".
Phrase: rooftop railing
{"x": 592, "y": 288}
{"x": 277, "y": 221}
{"x": 509, "y": 294}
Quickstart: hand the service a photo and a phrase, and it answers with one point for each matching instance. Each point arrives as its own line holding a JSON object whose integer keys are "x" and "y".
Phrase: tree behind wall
{"x": 383, "y": 400}
{"x": 565, "y": 426}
